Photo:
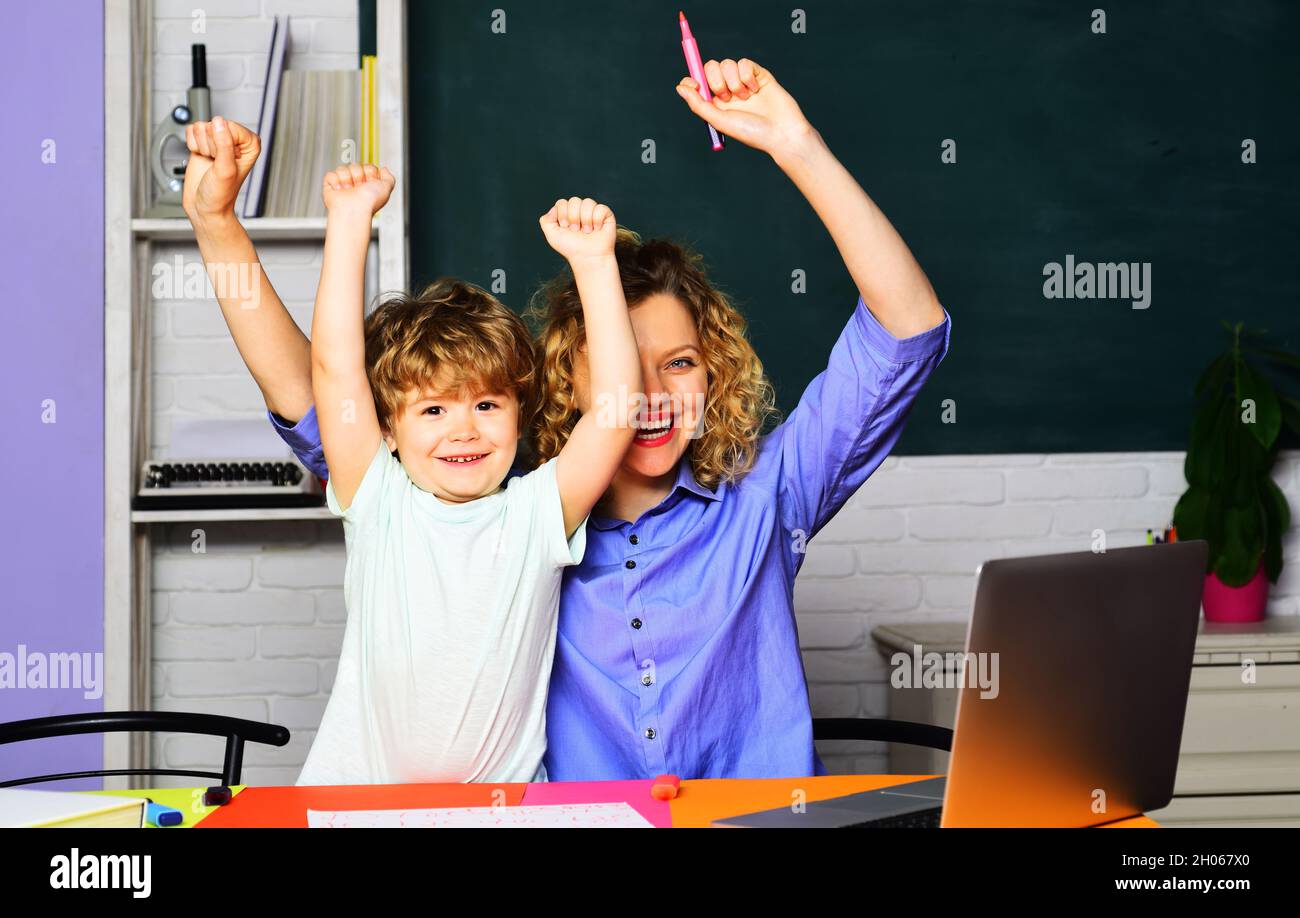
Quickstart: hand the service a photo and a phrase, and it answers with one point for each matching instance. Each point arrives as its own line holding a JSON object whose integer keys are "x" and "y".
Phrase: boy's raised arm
{"x": 345, "y": 407}
{"x": 584, "y": 233}
{"x": 273, "y": 347}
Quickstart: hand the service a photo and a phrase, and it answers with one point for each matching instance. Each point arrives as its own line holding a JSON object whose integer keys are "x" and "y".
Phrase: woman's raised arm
{"x": 274, "y": 349}
{"x": 751, "y": 106}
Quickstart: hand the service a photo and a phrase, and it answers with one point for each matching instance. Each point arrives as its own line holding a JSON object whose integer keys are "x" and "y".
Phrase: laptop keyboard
{"x": 923, "y": 819}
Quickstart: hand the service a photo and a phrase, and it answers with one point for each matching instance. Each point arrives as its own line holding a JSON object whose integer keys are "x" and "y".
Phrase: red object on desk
{"x": 665, "y": 787}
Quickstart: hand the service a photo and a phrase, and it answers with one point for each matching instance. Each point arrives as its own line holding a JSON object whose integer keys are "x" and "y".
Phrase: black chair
{"x": 881, "y": 730}
{"x": 236, "y": 730}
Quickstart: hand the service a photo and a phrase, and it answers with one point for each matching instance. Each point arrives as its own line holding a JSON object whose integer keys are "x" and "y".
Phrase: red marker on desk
{"x": 696, "y": 68}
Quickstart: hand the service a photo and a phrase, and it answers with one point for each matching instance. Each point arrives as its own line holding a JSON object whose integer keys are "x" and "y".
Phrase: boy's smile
{"x": 470, "y": 459}
{"x": 457, "y": 445}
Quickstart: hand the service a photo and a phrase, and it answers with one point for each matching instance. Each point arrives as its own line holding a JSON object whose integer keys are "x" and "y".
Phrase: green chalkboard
{"x": 1117, "y": 147}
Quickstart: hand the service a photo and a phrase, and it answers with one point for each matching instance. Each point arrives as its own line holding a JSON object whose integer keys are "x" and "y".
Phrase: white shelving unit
{"x": 128, "y": 241}
{"x": 261, "y": 228}
{"x": 223, "y": 516}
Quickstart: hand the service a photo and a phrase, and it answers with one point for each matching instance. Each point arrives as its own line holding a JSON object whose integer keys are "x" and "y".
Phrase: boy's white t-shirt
{"x": 451, "y": 624}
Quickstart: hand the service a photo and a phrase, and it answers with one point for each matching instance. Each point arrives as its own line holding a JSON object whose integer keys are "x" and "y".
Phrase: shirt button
{"x": 629, "y": 564}
{"x": 633, "y": 539}
{"x": 650, "y": 733}
{"x": 636, "y": 623}
{"x": 646, "y": 680}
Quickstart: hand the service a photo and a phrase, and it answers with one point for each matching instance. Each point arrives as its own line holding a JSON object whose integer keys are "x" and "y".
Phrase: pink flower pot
{"x": 1246, "y": 603}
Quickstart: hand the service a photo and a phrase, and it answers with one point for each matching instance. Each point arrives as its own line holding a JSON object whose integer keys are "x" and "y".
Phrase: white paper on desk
{"x": 225, "y": 438}
{"x": 560, "y": 816}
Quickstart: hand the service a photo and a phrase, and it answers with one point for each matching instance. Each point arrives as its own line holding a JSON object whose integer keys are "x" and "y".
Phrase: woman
{"x": 678, "y": 650}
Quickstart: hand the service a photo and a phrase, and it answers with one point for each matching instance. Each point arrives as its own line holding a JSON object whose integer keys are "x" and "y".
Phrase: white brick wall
{"x": 252, "y": 627}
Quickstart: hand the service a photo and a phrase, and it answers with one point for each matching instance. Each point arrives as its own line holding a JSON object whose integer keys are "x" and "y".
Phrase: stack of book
{"x": 312, "y": 121}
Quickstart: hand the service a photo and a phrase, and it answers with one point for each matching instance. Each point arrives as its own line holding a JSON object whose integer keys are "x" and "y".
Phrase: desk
{"x": 697, "y": 804}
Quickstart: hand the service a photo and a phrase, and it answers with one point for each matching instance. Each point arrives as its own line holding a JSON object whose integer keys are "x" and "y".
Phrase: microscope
{"x": 168, "y": 153}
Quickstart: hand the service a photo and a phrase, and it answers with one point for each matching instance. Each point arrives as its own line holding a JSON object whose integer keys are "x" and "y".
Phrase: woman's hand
{"x": 580, "y": 229}
{"x": 357, "y": 188}
{"x": 749, "y": 105}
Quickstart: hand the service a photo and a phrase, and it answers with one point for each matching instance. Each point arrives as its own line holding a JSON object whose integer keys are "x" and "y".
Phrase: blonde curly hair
{"x": 740, "y": 400}
{"x": 453, "y": 331}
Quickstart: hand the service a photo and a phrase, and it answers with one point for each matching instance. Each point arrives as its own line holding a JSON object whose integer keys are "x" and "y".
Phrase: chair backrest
{"x": 236, "y": 730}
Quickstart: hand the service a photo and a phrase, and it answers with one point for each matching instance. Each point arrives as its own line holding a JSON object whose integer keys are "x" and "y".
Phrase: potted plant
{"x": 1231, "y": 501}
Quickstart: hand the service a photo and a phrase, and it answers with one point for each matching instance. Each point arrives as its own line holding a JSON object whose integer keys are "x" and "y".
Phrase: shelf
{"x": 231, "y": 515}
{"x": 131, "y": 48}
{"x": 259, "y": 228}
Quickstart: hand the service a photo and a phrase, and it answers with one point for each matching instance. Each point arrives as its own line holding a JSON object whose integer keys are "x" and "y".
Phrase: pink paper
{"x": 634, "y": 793}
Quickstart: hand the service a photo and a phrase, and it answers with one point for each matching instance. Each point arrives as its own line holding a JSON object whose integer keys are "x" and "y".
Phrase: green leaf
{"x": 1214, "y": 527}
{"x": 1215, "y": 376}
{"x": 1207, "y": 446}
{"x": 1238, "y": 485}
{"x": 1281, "y": 503}
{"x": 1268, "y": 414}
{"x": 1191, "y": 512}
{"x": 1254, "y": 460}
{"x": 1238, "y": 475}
{"x": 1278, "y": 516}
{"x": 1235, "y": 568}
{"x": 1243, "y": 535}
{"x": 1286, "y": 358}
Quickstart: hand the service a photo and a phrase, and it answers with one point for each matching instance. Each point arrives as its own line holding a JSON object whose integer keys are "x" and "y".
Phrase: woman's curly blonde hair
{"x": 740, "y": 400}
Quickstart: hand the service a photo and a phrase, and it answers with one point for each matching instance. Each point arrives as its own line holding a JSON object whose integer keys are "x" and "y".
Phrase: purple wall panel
{"x": 52, "y": 369}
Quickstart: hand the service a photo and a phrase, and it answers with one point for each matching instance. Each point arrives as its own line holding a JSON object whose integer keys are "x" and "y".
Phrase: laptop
{"x": 1069, "y": 714}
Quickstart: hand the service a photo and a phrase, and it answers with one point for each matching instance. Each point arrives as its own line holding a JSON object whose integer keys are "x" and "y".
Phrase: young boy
{"x": 452, "y": 583}
{"x": 447, "y": 680}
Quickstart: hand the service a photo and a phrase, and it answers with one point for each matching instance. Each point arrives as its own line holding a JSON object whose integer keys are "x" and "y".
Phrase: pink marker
{"x": 696, "y": 68}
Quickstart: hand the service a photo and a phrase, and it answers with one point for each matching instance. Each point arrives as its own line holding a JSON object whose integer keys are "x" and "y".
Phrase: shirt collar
{"x": 685, "y": 482}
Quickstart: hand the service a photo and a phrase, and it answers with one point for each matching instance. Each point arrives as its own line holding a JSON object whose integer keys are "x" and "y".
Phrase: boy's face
{"x": 458, "y": 446}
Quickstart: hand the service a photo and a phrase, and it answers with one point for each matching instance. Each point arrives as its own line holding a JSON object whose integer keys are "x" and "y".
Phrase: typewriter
{"x": 178, "y": 484}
